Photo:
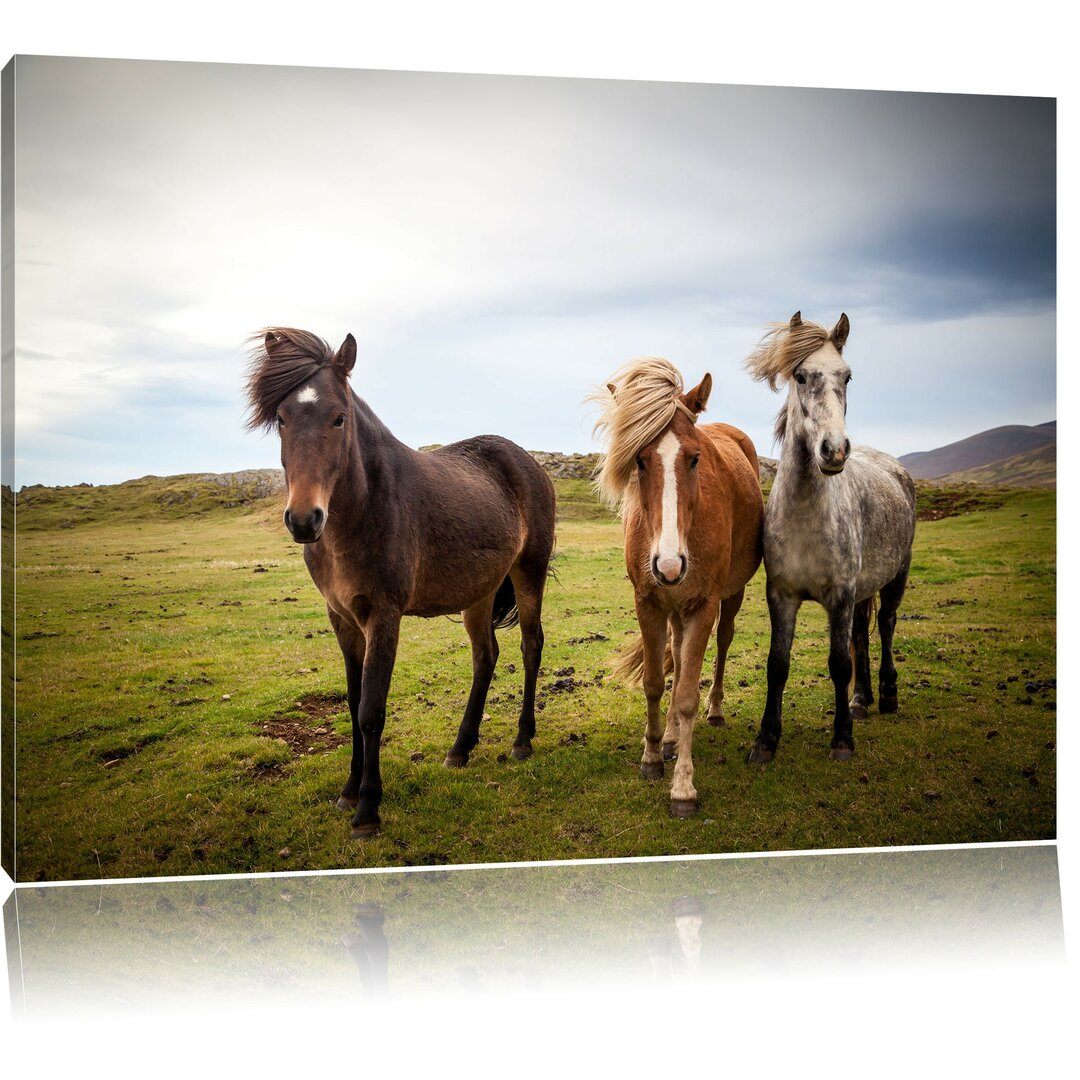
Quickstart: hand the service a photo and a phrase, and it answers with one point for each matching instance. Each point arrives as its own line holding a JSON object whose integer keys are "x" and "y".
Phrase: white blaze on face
{"x": 307, "y": 395}
{"x": 668, "y": 548}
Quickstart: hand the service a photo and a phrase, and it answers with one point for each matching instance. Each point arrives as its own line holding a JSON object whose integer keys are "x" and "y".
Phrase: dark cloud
{"x": 935, "y": 266}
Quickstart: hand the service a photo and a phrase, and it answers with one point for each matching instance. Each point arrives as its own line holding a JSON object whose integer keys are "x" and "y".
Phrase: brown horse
{"x": 389, "y": 532}
{"x": 692, "y": 510}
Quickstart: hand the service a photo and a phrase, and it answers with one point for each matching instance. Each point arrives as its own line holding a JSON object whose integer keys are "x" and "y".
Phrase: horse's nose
{"x": 305, "y": 528}
{"x": 834, "y": 455}
{"x": 669, "y": 570}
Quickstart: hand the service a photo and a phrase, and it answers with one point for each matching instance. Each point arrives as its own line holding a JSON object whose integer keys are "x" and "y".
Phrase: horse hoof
{"x": 717, "y": 720}
{"x": 346, "y": 803}
{"x": 455, "y": 761}
{"x": 841, "y": 753}
{"x": 668, "y": 751}
{"x": 521, "y": 752}
{"x": 760, "y": 755}
{"x": 366, "y": 831}
{"x": 652, "y": 770}
{"x": 858, "y": 711}
{"x": 887, "y": 704}
{"x": 683, "y": 808}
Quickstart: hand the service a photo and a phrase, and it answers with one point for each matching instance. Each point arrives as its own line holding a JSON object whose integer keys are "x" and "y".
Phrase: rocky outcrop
{"x": 566, "y": 466}
{"x": 249, "y": 484}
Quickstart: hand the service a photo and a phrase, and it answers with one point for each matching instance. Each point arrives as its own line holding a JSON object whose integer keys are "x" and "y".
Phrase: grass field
{"x": 180, "y": 703}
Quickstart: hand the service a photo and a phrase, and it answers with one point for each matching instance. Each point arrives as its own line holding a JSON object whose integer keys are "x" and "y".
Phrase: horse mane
{"x": 272, "y": 376}
{"x": 636, "y": 405}
{"x": 782, "y": 349}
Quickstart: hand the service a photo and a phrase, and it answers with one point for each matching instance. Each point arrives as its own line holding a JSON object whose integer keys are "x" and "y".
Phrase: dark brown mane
{"x": 273, "y": 375}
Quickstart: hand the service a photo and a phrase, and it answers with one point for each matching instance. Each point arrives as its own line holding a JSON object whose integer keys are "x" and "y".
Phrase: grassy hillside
{"x": 181, "y": 707}
{"x": 148, "y": 498}
{"x": 1033, "y": 469}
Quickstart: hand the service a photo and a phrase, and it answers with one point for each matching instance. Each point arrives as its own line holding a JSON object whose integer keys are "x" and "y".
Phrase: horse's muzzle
{"x": 305, "y": 528}
{"x": 832, "y": 459}
{"x": 662, "y": 577}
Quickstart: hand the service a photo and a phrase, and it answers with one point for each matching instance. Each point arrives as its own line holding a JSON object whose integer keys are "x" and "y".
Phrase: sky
{"x": 499, "y": 245}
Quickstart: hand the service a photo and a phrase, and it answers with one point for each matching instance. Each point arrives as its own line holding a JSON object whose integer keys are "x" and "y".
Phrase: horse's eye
{"x": 640, "y": 464}
{"x": 694, "y": 461}
{"x": 340, "y": 421}
{"x": 280, "y": 422}
{"x": 800, "y": 378}
{"x": 847, "y": 380}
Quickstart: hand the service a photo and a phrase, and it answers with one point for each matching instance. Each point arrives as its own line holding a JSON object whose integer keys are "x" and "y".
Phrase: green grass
{"x": 155, "y": 646}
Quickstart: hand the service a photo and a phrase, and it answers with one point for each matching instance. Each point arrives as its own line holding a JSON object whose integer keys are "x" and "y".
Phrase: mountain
{"x": 1033, "y": 469}
{"x": 988, "y": 448}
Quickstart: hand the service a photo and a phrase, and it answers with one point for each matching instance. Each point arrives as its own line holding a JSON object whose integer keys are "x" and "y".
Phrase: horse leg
{"x": 782, "y": 612}
{"x": 369, "y": 949}
{"x": 352, "y": 644}
{"x": 485, "y": 651}
{"x": 381, "y": 633}
{"x": 685, "y": 699}
{"x": 840, "y": 621}
{"x": 529, "y": 585}
{"x": 891, "y": 596}
{"x": 671, "y": 728}
{"x": 725, "y": 632}
{"x": 654, "y": 633}
{"x": 860, "y": 645}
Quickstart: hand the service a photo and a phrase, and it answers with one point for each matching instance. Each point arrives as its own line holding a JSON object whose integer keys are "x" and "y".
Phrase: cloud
{"x": 502, "y": 242}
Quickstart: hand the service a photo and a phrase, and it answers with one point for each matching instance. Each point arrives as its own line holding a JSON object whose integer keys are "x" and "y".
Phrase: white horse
{"x": 839, "y": 525}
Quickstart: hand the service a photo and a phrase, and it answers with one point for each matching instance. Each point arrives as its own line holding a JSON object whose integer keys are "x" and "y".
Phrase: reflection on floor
{"x": 79, "y": 949}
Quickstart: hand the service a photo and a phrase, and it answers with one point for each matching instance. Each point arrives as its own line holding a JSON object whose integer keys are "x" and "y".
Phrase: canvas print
{"x": 412, "y": 469}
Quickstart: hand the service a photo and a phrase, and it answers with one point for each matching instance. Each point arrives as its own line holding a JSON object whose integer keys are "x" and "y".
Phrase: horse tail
{"x": 629, "y": 665}
{"x": 505, "y": 613}
{"x": 871, "y": 625}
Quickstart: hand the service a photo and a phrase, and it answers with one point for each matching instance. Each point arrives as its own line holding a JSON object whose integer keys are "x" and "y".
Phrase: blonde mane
{"x": 637, "y": 404}
{"x": 783, "y": 348}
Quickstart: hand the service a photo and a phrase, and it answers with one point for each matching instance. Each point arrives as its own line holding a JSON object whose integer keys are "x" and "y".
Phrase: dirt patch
{"x": 933, "y": 504}
{"x": 310, "y": 732}
{"x": 565, "y": 685}
{"x": 113, "y": 754}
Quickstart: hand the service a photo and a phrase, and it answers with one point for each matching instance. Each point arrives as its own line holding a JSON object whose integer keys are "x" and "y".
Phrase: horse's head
{"x": 313, "y": 421}
{"x": 667, "y": 486}
{"x": 818, "y": 400}
{"x": 808, "y": 357}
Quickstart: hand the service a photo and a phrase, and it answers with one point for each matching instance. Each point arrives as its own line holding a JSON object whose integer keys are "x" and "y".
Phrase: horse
{"x": 389, "y": 531}
{"x": 839, "y": 526}
{"x": 691, "y": 506}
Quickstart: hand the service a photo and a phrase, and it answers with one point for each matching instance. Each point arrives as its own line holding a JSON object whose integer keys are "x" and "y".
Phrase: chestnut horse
{"x": 692, "y": 511}
{"x": 388, "y": 531}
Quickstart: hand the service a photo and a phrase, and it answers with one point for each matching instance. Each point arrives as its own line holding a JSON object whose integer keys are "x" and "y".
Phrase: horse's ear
{"x": 839, "y": 332}
{"x": 271, "y": 341}
{"x": 611, "y": 387}
{"x": 696, "y": 400}
{"x": 345, "y": 356}
{"x": 796, "y": 321}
